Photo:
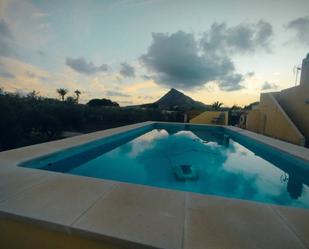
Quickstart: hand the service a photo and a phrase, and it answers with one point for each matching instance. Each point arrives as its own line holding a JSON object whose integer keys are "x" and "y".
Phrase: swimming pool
{"x": 202, "y": 159}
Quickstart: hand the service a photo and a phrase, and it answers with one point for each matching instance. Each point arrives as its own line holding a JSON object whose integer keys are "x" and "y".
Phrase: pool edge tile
{"x": 55, "y": 200}
{"x": 146, "y": 215}
{"x": 228, "y": 223}
{"x": 297, "y": 219}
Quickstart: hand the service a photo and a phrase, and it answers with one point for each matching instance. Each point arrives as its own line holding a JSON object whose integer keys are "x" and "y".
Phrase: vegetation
{"x": 62, "y": 92}
{"x": 78, "y": 93}
{"x": 33, "y": 119}
{"x": 216, "y": 106}
{"x": 102, "y": 102}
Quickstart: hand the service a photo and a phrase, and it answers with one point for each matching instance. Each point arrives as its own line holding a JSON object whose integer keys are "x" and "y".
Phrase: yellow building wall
{"x": 208, "y": 116}
{"x": 295, "y": 102}
{"x": 253, "y": 120}
{"x": 271, "y": 120}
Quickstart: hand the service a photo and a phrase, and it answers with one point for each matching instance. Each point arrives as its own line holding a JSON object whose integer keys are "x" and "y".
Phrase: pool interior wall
{"x": 240, "y": 168}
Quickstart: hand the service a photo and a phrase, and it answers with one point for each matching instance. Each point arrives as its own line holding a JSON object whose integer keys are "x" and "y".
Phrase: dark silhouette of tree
{"x": 78, "y": 93}
{"x": 235, "y": 112}
{"x": 32, "y": 119}
{"x": 62, "y": 92}
{"x": 216, "y": 105}
{"x": 102, "y": 102}
{"x": 34, "y": 94}
{"x": 71, "y": 100}
{"x": 236, "y": 107}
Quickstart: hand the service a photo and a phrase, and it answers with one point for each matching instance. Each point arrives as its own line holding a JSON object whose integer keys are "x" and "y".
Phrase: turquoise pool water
{"x": 209, "y": 161}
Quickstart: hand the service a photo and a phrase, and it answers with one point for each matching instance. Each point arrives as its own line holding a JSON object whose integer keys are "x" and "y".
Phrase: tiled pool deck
{"x": 137, "y": 216}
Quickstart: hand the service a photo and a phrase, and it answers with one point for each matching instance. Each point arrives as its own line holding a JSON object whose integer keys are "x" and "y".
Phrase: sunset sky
{"x": 133, "y": 51}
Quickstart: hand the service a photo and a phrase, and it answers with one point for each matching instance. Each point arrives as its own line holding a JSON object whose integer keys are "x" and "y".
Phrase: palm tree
{"x": 62, "y": 92}
{"x": 216, "y": 105}
{"x": 77, "y": 92}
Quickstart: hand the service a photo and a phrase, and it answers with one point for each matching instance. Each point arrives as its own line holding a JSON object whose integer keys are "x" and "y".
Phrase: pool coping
{"x": 174, "y": 217}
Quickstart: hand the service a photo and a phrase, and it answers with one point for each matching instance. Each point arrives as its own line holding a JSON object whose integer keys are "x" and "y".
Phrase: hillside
{"x": 175, "y": 99}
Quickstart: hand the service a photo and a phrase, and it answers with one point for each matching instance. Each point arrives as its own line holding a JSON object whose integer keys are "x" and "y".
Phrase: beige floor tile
{"x": 59, "y": 199}
{"x": 298, "y": 220}
{"x": 150, "y": 216}
{"x": 15, "y": 180}
{"x": 219, "y": 223}
{"x": 25, "y": 153}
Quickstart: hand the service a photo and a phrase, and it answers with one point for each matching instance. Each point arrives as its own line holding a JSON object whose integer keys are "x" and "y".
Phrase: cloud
{"x": 242, "y": 38}
{"x": 116, "y": 94}
{"x": 30, "y": 74}
{"x": 250, "y": 74}
{"x": 127, "y": 70}
{"x": 268, "y": 86}
{"x": 33, "y": 76}
{"x": 176, "y": 60}
{"x": 6, "y": 74}
{"x": 39, "y": 14}
{"x": 132, "y": 3}
{"x": 145, "y": 97}
{"x": 118, "y": 78}
{"x": 182, "y": 61}
{"x": 41, "y": 53}
{"x": 6, "y": 39}
{"x": 300, "y": 27}
{"x": 231, "y": 82}
{"x": 4, "y": 30}
{"x": 80, "y": 65}
{"x": 22, "y": 81}
{"x": 146, "y": 77}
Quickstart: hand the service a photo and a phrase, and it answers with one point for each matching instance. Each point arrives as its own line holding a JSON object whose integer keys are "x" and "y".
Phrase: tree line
{"x": 31, "y": 119}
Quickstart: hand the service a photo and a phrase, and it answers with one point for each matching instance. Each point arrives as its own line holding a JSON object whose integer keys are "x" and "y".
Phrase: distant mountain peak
{"x": 176, "y": 99}
{"x": 173, "y": 90}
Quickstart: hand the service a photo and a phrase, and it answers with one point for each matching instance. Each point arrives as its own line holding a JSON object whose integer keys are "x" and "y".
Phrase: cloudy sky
{"x": 133, "y": 51}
